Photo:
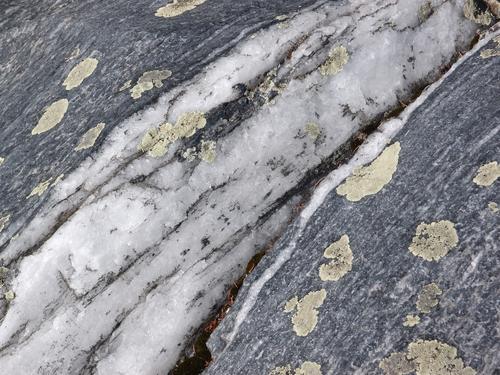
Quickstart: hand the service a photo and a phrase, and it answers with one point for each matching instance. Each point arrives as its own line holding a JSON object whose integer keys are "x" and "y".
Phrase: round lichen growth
{"x": 308, "y": 368}
{"x": 433, "y": 241}
{"x": 428, "y": 298}
{"x": 435, "y": 358}
{"x": 341, "y": 254}
{"x": 306, "y": 314}
{"x": 487, "y": 174}
{"x": 371, "y": 179}
{"x": 426, "y": 357}
{"x": 313, "y": 130}
{"x": 335, "y": 62}
{"x": 411, "y": 320}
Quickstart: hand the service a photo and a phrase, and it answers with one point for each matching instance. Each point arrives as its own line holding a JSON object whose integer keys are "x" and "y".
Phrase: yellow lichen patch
{"x": 308, "y": 368}
{"x": 4, "y": 221}
{"x": 487, "y": 174}
{"x": 433, "y": 241}
{"x": 341, "y": 254}
{"x": 397, "y": 364}
{"x": 148, "y": 80}
{"x": 177, "y": 7}
{"x": 9, "y": 295}
{"x": 435, "y": 358}
{"x": 2, "y": 160}
{"x": 487, "y": 53}
{"x": 473, "y": 13}
{"x": 40, "y": 188}
{"x": 207, "y": 151}
{"x": 52, "y": 116}
{"x": 371, "y": 179}
{"x": 156, "y": 140}
{"x": 282, "y": 370}
{"x": 493, "y": 206}
{"x": 80, "y": 72}
{"x": 313, "y": 130}
{"x": 306, "y": 314}
{"x": 426, "y": 357}
{"x": 337, "y": 58}
{"x": 411, "y": 320}
{"x": 428, "y": 298}
{"x": 89, "y": 138}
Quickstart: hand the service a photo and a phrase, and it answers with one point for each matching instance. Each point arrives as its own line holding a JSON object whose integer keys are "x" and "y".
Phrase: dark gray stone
{"x": 443, "y": 144}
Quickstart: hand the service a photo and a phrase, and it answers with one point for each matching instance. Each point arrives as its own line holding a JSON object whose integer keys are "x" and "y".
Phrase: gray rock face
{"x": 362, "y": 312}
{"x": 42, "y": 42}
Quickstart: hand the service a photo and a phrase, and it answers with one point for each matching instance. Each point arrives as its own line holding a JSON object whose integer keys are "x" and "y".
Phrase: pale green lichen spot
{"x": 371, "y": 179}
{"x": 313, "y": 130}
{"x": 426, "y": 357}
{"x": 156, "y": 140}
{"x": 148, "y": 80}
{"x": 473, "y": 13}
{"x": 2, "y": 160}
{"x": 411, "y": 320}
{"x": 306, "y": 314}
{"x": 434, "y": 358}
{"x": 207, "y": 151}
{"x": 177, "y": 7}
{"x": 89, "y": 138}
{"x": 281, "y": 370}
{"x": 4, "y": 221}
{"x": 341, "y": 254}
{"x": 52, "y": 116}
{"x": 335, "y": 62}
{"x": 40, "y": 188}
{"x": 493, "y": 206}
{"x": 80, "y": 72}
{"x": 487, "y": 53}
{"x": 308, "y": 368}
{"x": 487, "y": 174}
{"x": 428, "y": 298}
{"x": 433, "y": 241}
{"x": 9, "y": 295}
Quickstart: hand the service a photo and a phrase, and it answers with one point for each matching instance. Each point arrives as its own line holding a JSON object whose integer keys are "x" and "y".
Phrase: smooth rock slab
{"x": 362, "y": 319}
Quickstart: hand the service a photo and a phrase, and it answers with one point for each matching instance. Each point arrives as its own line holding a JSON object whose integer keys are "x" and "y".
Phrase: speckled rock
{"x": 392, "y": 299}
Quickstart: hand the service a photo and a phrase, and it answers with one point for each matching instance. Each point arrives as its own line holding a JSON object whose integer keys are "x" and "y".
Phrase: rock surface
{"x": 151, "y": 150}
{"x": 361, "y": 321}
